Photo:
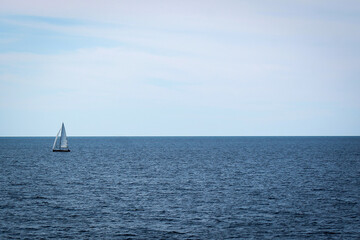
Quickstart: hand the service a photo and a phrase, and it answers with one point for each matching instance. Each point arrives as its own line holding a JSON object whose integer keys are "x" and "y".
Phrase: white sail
{"x": 56, "y": 139}
{"x": 63, "y": 139}
{"x": 61, "y": 142}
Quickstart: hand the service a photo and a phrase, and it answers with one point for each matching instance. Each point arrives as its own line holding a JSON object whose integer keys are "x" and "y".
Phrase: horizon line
{"x": 190, "y": 136}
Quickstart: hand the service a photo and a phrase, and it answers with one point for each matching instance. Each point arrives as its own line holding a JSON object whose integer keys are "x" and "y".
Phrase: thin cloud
{"x": 253, "y": 63}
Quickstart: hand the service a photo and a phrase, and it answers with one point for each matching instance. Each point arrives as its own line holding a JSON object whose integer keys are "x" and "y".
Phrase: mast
{"x": 61, "y": 134}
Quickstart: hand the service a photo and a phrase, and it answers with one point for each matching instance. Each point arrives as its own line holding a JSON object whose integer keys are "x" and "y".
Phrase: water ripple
{"x": 181, "y": 188}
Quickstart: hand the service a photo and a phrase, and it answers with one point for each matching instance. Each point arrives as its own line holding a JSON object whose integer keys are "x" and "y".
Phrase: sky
{"x": 180, "y": 68}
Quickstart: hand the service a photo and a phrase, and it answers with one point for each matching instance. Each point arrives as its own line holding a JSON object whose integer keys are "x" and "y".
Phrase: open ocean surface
{"x": 181, "y": 188}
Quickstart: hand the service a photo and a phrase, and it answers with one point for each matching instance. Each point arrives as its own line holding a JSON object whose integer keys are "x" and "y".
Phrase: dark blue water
{"x": 181, "y": 188}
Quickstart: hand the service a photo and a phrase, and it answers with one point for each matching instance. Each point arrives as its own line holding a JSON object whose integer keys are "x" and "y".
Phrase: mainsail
{"x": 63, "y": 140}
{"x": 61, "y": 143}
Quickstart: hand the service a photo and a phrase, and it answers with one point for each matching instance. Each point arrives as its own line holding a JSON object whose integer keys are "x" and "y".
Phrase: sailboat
{"x": 61, "y": 143}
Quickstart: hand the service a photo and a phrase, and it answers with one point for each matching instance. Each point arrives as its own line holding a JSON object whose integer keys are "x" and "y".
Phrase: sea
{"x": 180, "y": 188}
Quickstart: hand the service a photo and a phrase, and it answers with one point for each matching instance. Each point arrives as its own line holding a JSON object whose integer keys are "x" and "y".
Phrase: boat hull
{"x": 58, "y": 150}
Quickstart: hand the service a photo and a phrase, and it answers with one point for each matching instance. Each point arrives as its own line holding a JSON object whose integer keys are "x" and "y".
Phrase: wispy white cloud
{"x": 254, "y": 63}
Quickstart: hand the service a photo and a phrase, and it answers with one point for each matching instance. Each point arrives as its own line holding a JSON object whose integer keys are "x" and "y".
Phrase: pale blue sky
{"x": 175, "y": 68}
